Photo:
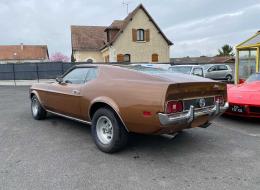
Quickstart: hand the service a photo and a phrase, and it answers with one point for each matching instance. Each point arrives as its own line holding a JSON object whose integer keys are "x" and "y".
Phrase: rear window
{"x": 149, "y": 70}
{"x": 185, "y": 70}
{"x": 222, "y": 67}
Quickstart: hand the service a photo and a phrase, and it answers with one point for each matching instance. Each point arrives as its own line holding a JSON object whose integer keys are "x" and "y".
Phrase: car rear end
{"x": 192, "y": 104}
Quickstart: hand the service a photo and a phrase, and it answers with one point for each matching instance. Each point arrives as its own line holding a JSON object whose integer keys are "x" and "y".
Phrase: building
{"x": 23, "y": 53}
{"x": 248, "y": 57}
{"x": 137, "y": 38}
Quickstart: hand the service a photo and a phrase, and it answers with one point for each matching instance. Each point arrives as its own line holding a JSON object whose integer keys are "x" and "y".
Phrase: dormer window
{"x": 140, "y": 35}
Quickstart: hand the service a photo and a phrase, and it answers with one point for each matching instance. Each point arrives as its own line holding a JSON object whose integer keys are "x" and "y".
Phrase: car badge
{"x": 202, "y": 103}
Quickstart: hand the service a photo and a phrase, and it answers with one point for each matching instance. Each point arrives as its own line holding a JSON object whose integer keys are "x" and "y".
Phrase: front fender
{"x": 34, "y": 92}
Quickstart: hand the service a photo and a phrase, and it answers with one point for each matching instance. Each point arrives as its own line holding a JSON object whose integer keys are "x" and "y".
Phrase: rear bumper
{"x": 188, "y": 117}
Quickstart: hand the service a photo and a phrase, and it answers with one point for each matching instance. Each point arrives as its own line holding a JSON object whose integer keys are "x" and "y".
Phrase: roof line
{"x": 129, "y": 18}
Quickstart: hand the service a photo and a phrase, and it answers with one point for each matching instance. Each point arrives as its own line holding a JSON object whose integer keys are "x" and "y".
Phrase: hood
{"x": 246, "y": 93}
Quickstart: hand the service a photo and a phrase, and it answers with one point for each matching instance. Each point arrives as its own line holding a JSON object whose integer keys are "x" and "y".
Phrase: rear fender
{"x": 109, "y": 102}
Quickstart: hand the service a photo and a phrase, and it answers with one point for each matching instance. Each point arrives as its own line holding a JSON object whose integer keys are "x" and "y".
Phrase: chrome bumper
{"x": 188, "y": 117}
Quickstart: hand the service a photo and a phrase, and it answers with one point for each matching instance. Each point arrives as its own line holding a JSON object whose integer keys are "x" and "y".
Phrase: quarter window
{"x": 80, "y": 75}
{"x": 140, "y": 35}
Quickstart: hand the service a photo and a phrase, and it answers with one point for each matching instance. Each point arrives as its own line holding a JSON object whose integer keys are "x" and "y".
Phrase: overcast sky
{"x": 196, "y": 27}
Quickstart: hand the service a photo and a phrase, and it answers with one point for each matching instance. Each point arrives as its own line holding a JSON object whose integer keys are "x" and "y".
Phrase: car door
{"x": 212, "y": 72}
{"x": 65, "y": 97}
{"x": 222, "y": 71}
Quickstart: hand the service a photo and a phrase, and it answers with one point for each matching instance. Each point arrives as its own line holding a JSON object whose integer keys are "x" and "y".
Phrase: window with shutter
{"x": 147, "y": 35}
{"x": 134, "y": 35}
{"x": 155, "y": 57}
{"x": 127, "y": 58}
{"x": 140, "y": 35}
{"x": 120, "y": 58}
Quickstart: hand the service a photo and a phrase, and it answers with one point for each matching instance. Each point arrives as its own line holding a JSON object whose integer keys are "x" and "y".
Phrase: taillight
{"x": 220, "y": 99}
{"x": 174, "y": 107}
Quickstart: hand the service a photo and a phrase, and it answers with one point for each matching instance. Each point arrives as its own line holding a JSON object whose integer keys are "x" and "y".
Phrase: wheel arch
{"x": 35, "y": 93}
{"x": 105, "y": 102}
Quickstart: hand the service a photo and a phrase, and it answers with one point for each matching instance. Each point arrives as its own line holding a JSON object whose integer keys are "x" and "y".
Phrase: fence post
{"x": 62, "y": 69}
{"x": 14, "y": 75}
{"x": 37, "y": 72}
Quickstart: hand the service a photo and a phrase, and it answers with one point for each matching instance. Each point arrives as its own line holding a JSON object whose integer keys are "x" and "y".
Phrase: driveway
{"x": 59, "y": 154}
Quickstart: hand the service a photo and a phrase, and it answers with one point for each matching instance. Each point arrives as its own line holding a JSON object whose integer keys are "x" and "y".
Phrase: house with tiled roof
{"x": 137, "y": 38}
{"x": 23, "y": 53}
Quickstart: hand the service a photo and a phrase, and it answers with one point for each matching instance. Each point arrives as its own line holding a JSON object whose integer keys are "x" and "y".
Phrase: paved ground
{"x": 59, "y": 154}
{"x": 22, "y": 82}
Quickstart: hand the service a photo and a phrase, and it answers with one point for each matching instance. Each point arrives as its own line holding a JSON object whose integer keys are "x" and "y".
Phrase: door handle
{"x": 75, "y": 91}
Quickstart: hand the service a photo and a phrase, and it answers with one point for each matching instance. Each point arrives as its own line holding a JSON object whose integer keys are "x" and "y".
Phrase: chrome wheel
{"x": 104, "y": 129}
{"x": 35, "y": 107}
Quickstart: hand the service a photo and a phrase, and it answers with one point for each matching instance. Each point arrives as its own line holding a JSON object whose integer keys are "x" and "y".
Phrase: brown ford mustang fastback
{"x": 118, "y": 100}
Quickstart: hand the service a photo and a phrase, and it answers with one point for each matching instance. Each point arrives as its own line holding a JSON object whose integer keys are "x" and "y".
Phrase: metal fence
{"x": 33, "y": 71}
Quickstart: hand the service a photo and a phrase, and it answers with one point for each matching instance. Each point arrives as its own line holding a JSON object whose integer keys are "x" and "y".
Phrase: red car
{"x": 244, "y": 99}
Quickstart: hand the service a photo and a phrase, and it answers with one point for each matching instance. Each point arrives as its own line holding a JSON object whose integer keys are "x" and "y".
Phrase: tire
{"x": 229, "y": 78}
{"x": 108, "y": 132}
{"x": 38, "y": 112}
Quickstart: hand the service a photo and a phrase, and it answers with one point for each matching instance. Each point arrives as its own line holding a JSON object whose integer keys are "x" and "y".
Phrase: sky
{"x": 196, "y": 27}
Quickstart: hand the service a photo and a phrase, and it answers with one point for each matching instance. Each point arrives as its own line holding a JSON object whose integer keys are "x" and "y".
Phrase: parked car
{"x": 244, "y": 98}
{"x": 117, "y": 100}
{"x": 188, "y": 69}
{"x": 218, "y": 72}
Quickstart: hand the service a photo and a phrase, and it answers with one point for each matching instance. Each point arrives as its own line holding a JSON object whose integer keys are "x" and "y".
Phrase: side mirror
{"x": 59, "y": 80}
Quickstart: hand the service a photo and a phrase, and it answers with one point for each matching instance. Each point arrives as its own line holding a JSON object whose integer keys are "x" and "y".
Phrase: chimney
{"x": 21, "y": 46}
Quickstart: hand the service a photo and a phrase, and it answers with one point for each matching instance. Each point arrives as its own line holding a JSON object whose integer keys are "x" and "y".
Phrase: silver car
{"x": 218, "y": 72}
{"x": 188, "y": 69}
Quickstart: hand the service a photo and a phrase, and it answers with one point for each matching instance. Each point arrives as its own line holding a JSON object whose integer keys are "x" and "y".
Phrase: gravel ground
{"x": 57, "y": 153}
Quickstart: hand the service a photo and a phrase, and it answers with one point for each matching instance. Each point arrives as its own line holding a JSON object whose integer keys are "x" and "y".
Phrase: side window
{"x": 92, "y": 74}
{"x": 77, "y": 76}
{"x": 222, "y": 67}
{"x": 198, "y": 71}
{"x": 213, "y": 68}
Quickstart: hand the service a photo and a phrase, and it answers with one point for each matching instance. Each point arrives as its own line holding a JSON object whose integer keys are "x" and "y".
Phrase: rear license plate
{"x": 238, "y": 109}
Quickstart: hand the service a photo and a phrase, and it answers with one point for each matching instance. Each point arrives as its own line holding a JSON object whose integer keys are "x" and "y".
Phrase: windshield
{"x": 180, "y": 69}
{"x": 253, "y": 78}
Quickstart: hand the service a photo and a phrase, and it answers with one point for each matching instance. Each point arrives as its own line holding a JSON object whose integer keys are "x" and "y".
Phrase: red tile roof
{"x": 23, "y": 52}
{"x": 88, "y": 37}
